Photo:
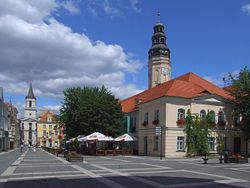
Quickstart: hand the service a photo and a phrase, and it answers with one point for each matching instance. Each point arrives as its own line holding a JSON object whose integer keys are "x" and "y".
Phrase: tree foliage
{"x": 240, "y": 90}
{"x": 87, "y": 110}
{"x": 197, "y": 135}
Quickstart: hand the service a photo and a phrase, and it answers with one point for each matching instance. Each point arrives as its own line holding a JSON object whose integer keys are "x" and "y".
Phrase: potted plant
{"x": 145, "y": 123}
{"x": 73, "y": 156}
{"x": 155, "y": 122}
{"x": 181, "y": 122}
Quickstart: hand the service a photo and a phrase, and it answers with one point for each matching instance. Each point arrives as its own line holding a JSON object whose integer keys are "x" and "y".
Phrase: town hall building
{"x": 165, "y": 104}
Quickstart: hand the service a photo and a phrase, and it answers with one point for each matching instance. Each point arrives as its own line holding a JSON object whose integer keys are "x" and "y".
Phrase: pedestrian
{"x": 34, "y": 148}
{"x": 21, "y": 147}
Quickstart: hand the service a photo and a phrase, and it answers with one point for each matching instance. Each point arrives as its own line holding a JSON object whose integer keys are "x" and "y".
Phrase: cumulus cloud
{"x": 36, "y": 48}
{"x": 246, "y": 9}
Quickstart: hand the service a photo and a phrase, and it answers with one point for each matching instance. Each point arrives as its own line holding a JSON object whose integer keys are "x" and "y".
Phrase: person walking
{"x": 21, "y": 147}
{"x": 34, "y": 148}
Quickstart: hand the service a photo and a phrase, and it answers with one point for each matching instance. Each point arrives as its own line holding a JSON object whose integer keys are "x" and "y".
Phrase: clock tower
{"x": 159, "y": 66}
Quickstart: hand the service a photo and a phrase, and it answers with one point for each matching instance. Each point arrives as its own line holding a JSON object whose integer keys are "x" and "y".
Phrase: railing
{"x": 114, "y": 152}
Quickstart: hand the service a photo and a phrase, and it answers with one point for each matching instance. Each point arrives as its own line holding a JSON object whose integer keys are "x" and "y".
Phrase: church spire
{"x": 30, "y": 93}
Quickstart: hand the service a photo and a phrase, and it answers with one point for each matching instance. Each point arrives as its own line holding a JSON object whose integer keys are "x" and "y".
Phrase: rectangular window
{"x": 156, "y": 115}
{"x": 180, "y": 143}
{"x": 146, "y": 117}
{"x": 44, "y": 126}
{"x": 44, "y": 133}
{"x": 156, "y": 143}
{"x": 211, "y": 143}
{"x": 50, "y": 126}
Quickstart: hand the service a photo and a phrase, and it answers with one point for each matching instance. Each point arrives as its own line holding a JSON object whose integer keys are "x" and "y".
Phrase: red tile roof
{"x": 188, "y": 86}
{"x": 44, "y": 116}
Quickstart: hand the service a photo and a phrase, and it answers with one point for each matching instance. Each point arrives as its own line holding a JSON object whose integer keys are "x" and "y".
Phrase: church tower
{"x": 159, "y": 66}
{"x": 29, "y": 122}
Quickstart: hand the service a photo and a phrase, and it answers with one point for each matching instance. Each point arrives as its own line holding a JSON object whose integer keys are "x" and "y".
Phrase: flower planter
{"x": 74, "y": 157}
{"x": 238, "y": 160}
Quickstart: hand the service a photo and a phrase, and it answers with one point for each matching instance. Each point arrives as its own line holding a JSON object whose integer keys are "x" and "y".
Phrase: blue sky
{"x": 61, "y": 44}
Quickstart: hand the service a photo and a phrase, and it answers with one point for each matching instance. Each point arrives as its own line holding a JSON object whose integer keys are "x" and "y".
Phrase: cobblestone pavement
{"x": 41, "y": 169}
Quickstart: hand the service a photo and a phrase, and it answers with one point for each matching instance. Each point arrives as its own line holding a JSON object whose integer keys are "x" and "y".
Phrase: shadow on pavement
{"x": 113, "y": 181}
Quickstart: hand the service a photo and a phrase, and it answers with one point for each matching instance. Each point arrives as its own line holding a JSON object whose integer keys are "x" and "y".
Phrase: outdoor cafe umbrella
{"x": 96, "y": 136}
{"x": 126, "y": 137}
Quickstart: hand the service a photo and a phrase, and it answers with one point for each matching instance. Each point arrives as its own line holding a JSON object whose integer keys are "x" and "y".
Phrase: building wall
{"x": 168, "y": 108}
{"x": 159, "y": 70}
{"x": 48, "y": 130}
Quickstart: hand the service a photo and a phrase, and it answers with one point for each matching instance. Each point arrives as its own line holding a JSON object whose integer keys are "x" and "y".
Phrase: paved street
{"x": 41, "y": 169}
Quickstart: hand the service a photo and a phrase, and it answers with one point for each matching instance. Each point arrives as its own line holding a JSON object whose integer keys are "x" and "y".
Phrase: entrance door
{"x": 237, "y": 144}
{"x": 11, "y": 145}
{"x": 145, "y": 145}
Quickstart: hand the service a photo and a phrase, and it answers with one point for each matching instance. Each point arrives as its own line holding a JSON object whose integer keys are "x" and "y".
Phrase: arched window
{"x": 221, "y": 116}
{"x": 181, "y": 114}
{"x": 236, "y": 119}
{"x": 202, "y": 114}
{"x": 30, "y": 103}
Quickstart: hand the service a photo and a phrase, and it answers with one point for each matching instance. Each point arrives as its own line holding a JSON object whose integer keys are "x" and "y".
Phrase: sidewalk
{"x": 7, "y": 158}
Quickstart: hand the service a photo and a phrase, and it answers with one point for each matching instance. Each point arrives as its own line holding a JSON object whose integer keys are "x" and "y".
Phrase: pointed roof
{"x": 187, "y": 86}
{"x": 30, "y": 93}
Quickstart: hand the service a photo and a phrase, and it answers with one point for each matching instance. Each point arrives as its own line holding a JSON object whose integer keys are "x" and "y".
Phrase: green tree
{"x": 76, "y": 144}
{"x": 197, "y": 135}
{"x": 240, "y": 90}
{"x": 90, "y": 109}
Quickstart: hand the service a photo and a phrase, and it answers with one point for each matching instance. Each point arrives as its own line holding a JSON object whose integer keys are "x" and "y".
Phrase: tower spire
{"x": 30, "y": 93}
{"x": 159, "y": 16}
{"x": 159, "y": 65}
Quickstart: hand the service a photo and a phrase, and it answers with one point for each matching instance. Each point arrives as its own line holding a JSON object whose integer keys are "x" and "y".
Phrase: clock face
{"x": 164, "y": 70}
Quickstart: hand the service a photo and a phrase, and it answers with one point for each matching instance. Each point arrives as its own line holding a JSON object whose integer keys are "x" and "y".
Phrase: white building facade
{"x": 29, "y": 122}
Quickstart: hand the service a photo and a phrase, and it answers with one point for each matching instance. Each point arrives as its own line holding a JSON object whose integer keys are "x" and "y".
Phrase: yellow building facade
{"x": 49, "y": 133}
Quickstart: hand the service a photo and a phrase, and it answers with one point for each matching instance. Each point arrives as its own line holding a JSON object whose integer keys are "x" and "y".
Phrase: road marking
{"x": 157, "y": 166}
{"x": 5, "y": 152}
{"x": 47, "y": 165}
{"x": 102, "y": 179}
{"x": 211, "y": 165}
{"x": 40, "y": 173}
{"x": 10, "y": 170}
{"x": 109, "y": 158}
{"x": 41, "y": 177}
{"x": 136, "y": 169}
{"x": 143, "y": 180}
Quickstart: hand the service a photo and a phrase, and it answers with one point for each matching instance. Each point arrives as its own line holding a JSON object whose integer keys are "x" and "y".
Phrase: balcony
{"x": 221, "y": 123}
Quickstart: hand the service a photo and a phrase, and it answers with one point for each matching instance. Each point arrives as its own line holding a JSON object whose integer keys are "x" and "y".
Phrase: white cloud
{"x": 134, "y": 5}
{"x": 33, "y": 11}
{"x": 111, "y": 7}
{"x": 53, "y": 108}
{"x": 222, "y": 79}
{"x": 246, "y": 8}
{"x": 71, "y": 6}
{"x": 108, "y": 9}
{"x": 36, "y": 48}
